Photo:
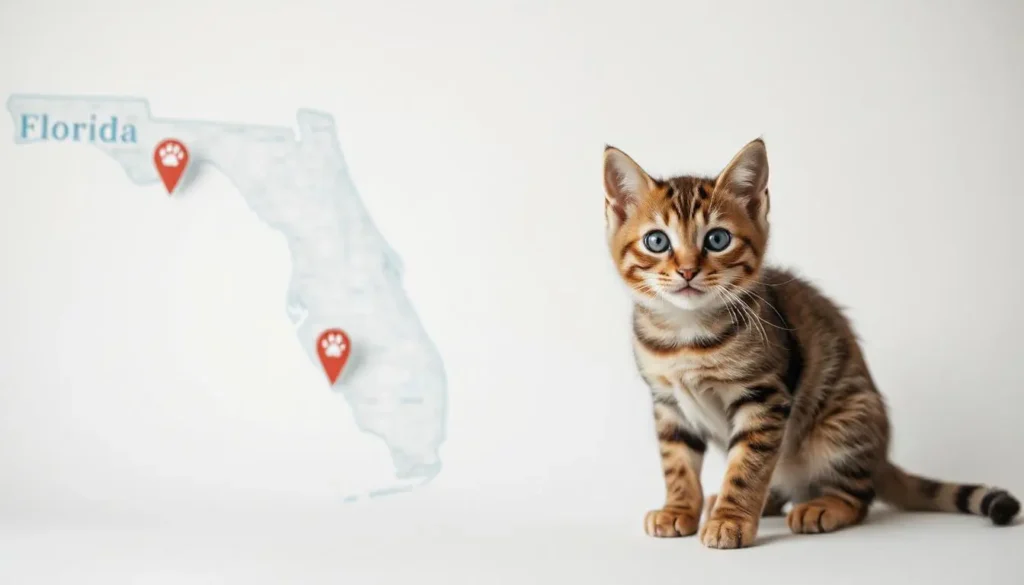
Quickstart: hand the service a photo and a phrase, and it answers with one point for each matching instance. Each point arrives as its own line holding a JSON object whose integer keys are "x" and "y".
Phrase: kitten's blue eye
{"x": 656, "y": 241}
{"x": 717, "y": 239}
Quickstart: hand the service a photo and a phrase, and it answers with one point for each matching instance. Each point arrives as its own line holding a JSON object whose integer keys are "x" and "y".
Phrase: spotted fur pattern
{"x": 754, "y": 360}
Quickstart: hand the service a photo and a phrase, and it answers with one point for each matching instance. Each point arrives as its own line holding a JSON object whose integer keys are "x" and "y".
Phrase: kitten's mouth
{"x": 688, "y": 290}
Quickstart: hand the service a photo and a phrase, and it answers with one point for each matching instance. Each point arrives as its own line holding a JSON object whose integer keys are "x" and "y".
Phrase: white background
{"x": 152, "y": 429}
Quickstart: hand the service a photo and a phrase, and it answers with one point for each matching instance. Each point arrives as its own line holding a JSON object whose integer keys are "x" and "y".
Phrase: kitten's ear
{"x": 625, "y": 184}
{"x": 746, "y": 177}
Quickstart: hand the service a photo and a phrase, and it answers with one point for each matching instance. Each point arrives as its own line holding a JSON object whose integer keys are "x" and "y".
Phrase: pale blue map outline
{"x": 299, "y": 185}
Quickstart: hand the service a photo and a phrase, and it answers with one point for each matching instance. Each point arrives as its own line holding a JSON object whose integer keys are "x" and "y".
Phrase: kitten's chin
{"x": 680, "y": 302}
{"x": 689, "y": 301}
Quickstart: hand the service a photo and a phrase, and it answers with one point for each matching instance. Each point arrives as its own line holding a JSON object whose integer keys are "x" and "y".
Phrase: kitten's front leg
{"x": 682, "y": 455}
{"x": 758, "y": 417}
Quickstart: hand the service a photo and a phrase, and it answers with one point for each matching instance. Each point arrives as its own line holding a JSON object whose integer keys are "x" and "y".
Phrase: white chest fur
{"x": 703, "y": 410}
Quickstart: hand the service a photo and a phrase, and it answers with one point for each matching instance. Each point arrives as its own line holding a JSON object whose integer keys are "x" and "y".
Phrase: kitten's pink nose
{"x": 689, "y": 273}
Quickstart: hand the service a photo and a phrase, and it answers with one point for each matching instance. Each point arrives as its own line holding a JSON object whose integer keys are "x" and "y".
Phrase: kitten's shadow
{"x": 883, "y": 516}
{"x": 778, "y": 530}
{"x": 768, "y": 539}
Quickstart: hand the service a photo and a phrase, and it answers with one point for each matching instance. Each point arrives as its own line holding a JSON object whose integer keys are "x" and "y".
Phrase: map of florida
{"x": 344, "y": 274}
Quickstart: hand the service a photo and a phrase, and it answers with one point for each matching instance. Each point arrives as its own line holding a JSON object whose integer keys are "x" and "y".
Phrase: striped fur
{"x": 756, "y": 361}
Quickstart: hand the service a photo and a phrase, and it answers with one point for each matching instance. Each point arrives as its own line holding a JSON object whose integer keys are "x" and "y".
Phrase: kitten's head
{"x": 691, "y": 242}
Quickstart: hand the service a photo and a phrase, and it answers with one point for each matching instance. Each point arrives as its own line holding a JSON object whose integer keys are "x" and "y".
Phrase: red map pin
{"x": 170, "y": 158}
{"x": 333, "y": 346}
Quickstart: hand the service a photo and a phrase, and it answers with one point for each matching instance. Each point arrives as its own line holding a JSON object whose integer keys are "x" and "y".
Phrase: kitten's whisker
{"x": 728, "y": 307}
{"x": 765, "y": 301}
{"x": 761, "y": 282}
{"x": 756, "y": 322}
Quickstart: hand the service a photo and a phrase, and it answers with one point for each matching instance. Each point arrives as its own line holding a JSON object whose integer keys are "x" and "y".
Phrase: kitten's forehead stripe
{"x": 689, "y": 196}
{"x": 695, "y": 200}
{"x": 677, "y": 200}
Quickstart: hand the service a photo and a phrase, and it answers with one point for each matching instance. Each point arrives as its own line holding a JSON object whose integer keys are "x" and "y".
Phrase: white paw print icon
{"x": 171, "y": 154}
{"x": 333, "y": 344}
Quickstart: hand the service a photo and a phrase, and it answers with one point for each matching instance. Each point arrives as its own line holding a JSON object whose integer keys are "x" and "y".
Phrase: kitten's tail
{"x": 912, "y": 492}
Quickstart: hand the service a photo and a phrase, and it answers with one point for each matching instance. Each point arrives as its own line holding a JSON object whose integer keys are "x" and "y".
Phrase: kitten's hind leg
{"x": 845, "y": 447}
{"x": 841, "y": 498}
{"x": 833, "y": 510}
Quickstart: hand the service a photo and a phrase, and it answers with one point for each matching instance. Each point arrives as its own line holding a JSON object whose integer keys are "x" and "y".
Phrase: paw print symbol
{"x": 171, "y": 154}
{"x": 333, "y": 345}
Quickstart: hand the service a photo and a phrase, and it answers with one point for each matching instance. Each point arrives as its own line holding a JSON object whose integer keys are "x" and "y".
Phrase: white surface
{"x": 461, "y": 538}
{"x": 474, "y": 133}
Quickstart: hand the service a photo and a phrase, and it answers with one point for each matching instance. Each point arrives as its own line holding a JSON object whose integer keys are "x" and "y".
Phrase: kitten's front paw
{"x": 671, "y": 522}
{"x": 728, "y": 533}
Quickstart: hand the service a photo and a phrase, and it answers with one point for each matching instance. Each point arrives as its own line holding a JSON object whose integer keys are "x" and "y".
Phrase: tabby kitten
{"x": 754, "y": 360}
